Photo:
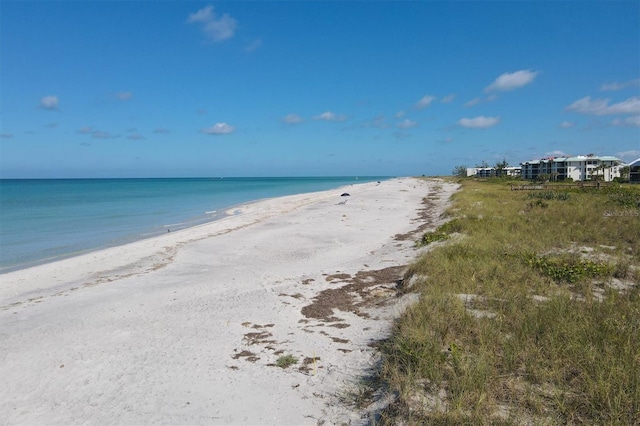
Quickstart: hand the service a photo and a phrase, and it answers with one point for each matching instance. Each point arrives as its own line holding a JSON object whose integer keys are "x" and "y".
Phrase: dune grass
{"x": 529, "y": 312}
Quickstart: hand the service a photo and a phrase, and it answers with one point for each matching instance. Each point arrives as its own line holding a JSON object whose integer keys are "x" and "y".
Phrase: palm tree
{"x": 599, "y": 172}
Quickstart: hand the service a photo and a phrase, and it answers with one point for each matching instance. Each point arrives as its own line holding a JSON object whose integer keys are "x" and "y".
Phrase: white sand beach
{"x": 186, "y": 328}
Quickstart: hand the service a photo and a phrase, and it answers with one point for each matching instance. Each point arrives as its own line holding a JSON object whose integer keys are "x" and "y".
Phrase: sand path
{"x": 186, "y": 328}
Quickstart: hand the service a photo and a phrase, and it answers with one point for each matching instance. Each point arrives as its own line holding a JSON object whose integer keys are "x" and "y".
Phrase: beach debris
{"x": 360, "y": 292}
{"x": 258, "y": 338}
{"x": 310, "y": 361}
{"x": 249, "y": 356}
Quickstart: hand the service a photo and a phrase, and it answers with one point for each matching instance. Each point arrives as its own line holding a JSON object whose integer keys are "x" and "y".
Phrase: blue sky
{"x": 306, "y": 88}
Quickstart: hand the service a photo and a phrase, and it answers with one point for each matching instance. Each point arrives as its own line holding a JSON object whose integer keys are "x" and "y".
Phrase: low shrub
{"x": 567, "y": 268}
{"x": 549, "y": 195}
{"x": 430, "y": 237}
{"x": 286, "y": 361}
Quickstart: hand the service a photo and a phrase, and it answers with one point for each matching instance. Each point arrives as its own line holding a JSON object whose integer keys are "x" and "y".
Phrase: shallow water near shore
{"x": 45, "y": 220}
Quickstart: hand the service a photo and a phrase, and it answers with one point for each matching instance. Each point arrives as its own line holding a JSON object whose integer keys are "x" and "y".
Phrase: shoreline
{"x": 211, "y": 206}
{"x": 187, "y": 327}
{"x": 215, "y": 216}
{"x": 147, "y": 248}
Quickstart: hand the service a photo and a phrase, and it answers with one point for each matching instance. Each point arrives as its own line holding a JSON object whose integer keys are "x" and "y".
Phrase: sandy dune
{"x": 186, "y": 328}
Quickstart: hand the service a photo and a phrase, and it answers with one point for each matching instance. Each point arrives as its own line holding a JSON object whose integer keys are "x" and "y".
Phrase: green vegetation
{"x": 549, "y": 195}
{"x": 442, "y": 233}
{"x": 567, "y": 268}
{"x": 625, "y": 196}
{"x": 532, "y": 316}
{"x": 460, "y": 171}
{"x": 286, "y": 361}
{"x": 430, "y": 237}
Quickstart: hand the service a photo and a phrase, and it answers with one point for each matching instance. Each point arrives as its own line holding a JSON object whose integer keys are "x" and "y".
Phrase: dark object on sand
{"x": 345, "y": 194}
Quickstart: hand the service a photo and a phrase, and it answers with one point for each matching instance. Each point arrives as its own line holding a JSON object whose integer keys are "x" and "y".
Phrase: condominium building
{"x": 493, "y": 172}
{"x": 582, "y": 167}
{"x": 634, "y": 171}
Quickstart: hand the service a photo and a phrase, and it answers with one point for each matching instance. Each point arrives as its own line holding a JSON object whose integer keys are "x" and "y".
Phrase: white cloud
{"x": 203, "y": 15}
{"x": 215, "y": 28}
{"x": 49, "y": 102}
{"x": 567, "y": 124}
{"x": 629, "y": 121}
{"x": 407, "y": 124}
{"x": 556, "y": 153}
{"x": 98, "y": 134}
{"x": 219, "y": 129}
{"x": 628, "y": 155}
{"x": 292, "y": 119}
{"x": 425, "y": 101}
{"x": 380, "y": 121}
{"x": 399, "y": 114}
{"x": 475, "y": 101}
{"x": 511, "y": 81}
{"x": 472, "y": 102}
{"x": 448, "y": 99}
{"x": 162, "y": 131}
{"x": 136, "y": 137}
{"x": 255, "y": 44}
{"x": 329, "y": 116}
{"x": 480, "y": 122}
{"x": 619, "y": 86}
{"x": 401, "y": 135}
{"x": 601, "y": 106}
{"x": 123, "y": 96}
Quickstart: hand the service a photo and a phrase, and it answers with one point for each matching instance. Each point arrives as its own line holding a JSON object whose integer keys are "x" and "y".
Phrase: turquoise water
{"x": 42, "y": 220}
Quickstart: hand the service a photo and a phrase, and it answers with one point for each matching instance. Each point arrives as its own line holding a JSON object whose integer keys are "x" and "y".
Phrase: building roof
{"x": 595, "y": 157}
{"x": 635, "y": 163}
{"x": 575, "y": 159}
{"x": 610, "y": 158}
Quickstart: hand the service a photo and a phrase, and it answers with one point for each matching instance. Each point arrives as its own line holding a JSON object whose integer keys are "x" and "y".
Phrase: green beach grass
{"x": 529, "y": 312}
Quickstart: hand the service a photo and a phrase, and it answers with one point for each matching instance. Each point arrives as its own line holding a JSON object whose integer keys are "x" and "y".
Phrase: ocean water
{"x": 43, "y": 220}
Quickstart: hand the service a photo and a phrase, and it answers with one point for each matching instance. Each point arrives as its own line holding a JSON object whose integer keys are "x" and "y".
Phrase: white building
{"x": 582, "y": 167}
{"x": 492, "y": 171}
